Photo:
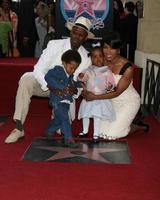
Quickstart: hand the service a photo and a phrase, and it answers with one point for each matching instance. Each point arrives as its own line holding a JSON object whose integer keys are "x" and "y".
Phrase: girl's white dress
{"x": 126, "y": 107}
{"x": 97, "y": 80}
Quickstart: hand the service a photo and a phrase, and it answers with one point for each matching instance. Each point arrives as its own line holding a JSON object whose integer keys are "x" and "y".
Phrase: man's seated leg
{"x": 28, "y": 86}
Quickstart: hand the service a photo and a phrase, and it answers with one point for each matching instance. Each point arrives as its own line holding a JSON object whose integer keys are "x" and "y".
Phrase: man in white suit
{"x": 33, "y": 83}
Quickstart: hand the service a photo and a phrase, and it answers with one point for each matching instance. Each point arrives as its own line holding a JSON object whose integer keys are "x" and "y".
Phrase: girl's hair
{"x": 94, "y": 49}
{"x": 112, "y": 39}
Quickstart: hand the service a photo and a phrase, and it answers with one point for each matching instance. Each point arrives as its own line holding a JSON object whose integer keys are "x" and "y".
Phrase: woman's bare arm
{"x": 121, "y": 87}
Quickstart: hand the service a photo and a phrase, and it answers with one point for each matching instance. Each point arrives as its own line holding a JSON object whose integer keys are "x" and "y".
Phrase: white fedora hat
{"x": 83, "y": 23}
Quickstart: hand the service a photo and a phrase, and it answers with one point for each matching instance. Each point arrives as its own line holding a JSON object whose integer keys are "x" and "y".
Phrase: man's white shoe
{"x": 14, "y": 136}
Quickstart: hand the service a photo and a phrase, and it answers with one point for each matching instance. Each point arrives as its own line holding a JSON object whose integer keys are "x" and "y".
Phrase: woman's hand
{"x": 88, "y": 96}
{"x": 81, "y": 75}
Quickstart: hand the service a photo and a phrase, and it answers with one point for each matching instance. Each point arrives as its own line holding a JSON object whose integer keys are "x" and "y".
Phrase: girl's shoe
{"x": 82, "y": 135}
{"x": 95, "y": 139}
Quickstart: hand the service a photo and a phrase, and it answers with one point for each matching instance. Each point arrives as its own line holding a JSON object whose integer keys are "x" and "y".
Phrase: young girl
{"x": 97, "y": 79}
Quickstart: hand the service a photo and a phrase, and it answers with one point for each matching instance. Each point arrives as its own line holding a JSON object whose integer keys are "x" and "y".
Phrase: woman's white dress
{"x": 126, "y": 107}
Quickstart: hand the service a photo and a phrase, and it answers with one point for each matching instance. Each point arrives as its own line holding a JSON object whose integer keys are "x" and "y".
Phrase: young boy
{"x": 62, "y": 87}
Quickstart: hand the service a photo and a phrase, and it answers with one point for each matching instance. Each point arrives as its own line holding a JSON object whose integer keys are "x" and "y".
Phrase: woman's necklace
{"x": 115, "y": 64}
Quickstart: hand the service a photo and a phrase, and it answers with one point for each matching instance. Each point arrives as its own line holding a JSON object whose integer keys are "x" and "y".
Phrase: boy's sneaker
{"x": 48, "y": 135}
{"x": 70, "y": 143}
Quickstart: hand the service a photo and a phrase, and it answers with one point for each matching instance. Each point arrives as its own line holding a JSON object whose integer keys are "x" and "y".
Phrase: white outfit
{"x": 126, "y": 107}
{"x": 41, "y": 27}
{"x": 33, "y": 83}
{"x": 97, "y": 80}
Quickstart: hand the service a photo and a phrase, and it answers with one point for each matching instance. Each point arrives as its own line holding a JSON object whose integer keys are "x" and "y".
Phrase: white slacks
{"x": 28, "y": 87}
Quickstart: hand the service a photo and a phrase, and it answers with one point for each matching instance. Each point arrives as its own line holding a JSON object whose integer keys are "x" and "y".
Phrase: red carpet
{"x": 63, "y": 181}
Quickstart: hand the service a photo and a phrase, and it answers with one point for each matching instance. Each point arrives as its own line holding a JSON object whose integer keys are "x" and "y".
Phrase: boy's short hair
{"x": 71, "y": 55}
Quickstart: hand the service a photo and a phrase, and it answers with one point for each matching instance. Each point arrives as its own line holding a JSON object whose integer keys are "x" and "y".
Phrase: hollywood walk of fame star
{"x": 83, "y": 151}
{"x": 85, "y": 6}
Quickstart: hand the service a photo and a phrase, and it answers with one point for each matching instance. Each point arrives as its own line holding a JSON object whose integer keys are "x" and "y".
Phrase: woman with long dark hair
{"x": 125, "y": 98}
